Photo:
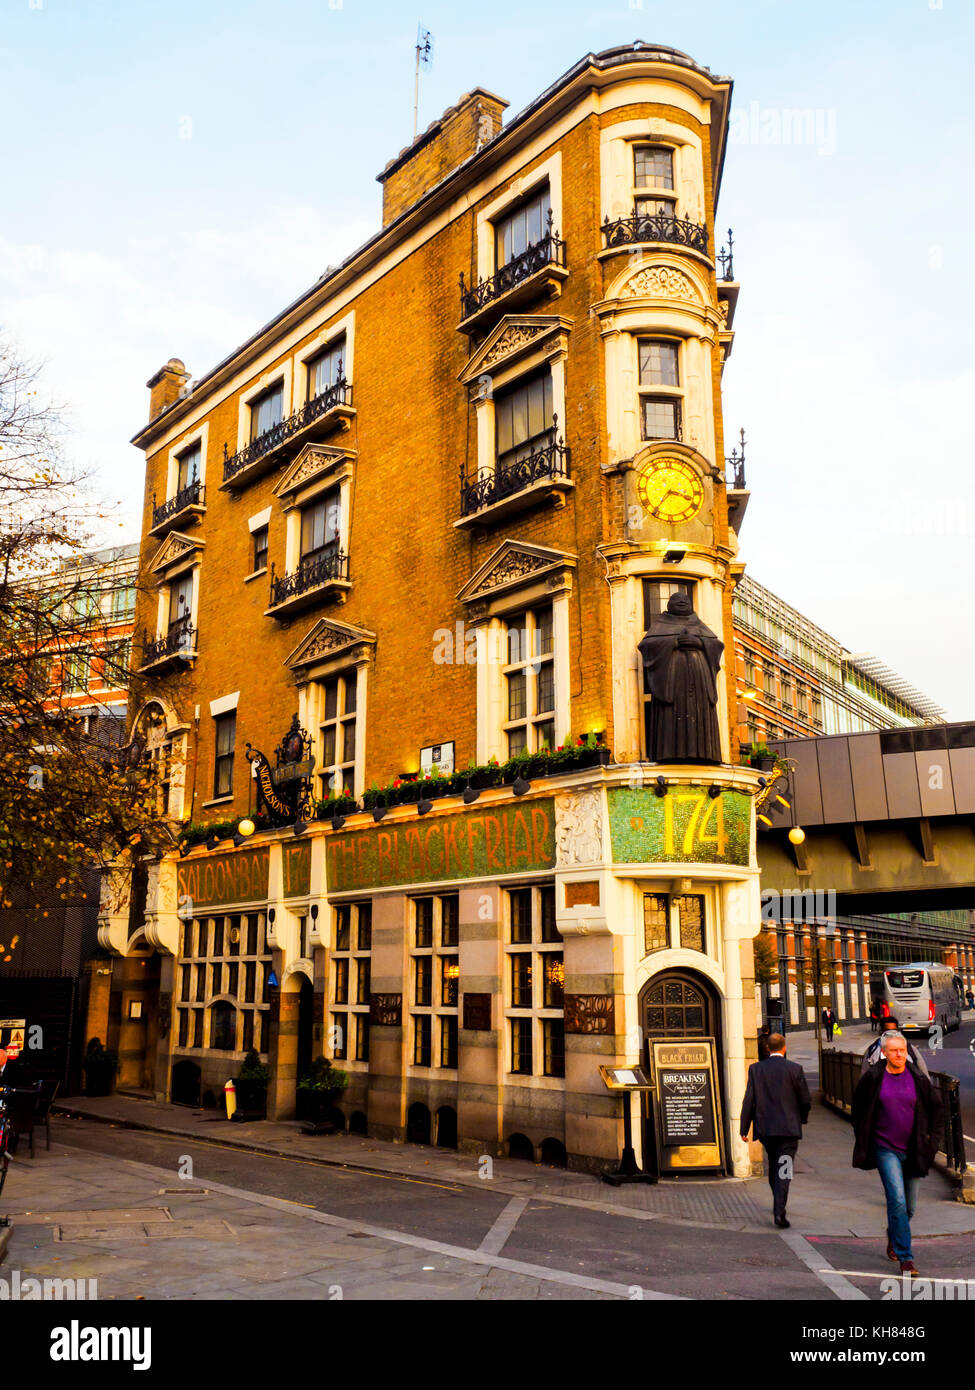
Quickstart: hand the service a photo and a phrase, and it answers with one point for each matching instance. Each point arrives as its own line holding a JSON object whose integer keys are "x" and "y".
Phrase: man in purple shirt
{"x": 897, "y": 1120}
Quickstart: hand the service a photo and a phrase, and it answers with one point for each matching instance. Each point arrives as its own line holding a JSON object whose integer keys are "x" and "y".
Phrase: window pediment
{"x": 513, "y": 568}
{"x": 176, "y": 549}
{"x": 329, "y": 644}
{"x": 316, "y": 464}
{"x": 516, "y": 336}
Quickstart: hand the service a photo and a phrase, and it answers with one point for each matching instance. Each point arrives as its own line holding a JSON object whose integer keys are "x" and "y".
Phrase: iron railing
{"x": 840, "y": 1073}
{"x": 735, "y": 470}
{"x": 655, "y": 226}
{"x": 334, "y": 564}
{"x": 190, "y": 496}
{"x": 550, "y": 250}
{"x": 726, "y": 257}
{"x": 335, "y": 395}
{"x": 180, "y": 640}
{"x": 549, "y": 461}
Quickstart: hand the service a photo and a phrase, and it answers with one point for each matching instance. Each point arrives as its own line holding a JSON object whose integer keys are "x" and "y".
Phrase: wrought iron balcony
{"x": 548, "y": 464}
{"x": 656, "y": 226}
{"x": 191, "y": 496}
{"x": 325, "y": 571}
{"x": 545, "y": 254}
{"x": 178, "y": 644}
{"x": 336, "y": 397}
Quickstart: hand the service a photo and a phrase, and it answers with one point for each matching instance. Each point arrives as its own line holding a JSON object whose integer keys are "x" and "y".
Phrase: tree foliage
{"x": 66, "y": 799}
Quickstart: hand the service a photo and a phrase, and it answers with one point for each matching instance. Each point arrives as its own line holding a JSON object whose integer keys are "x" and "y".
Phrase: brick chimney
{"x": 166, "y": 385}
{"x": 459, "y": 133}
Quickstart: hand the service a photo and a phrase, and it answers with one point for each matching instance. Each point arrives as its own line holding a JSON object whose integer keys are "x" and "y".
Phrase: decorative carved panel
{"x": 386, "y": 1010}
{"x": 659, "y": 282}
{"x": 589, "y": 1013}
{"x": 477, "y": 1012}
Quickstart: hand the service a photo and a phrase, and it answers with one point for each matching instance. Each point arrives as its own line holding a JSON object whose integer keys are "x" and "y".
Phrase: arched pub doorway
{"x": 680, "y": 1004}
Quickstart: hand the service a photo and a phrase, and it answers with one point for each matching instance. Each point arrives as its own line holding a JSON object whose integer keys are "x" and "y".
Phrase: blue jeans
{"x": 901, "y": 1194}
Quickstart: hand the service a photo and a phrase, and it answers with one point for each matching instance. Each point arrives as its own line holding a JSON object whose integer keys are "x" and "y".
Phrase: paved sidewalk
{"x": 829, "y": 1197}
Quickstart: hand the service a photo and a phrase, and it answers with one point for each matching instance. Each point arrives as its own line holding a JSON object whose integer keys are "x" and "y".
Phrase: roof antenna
{"x": 424, "y": 56}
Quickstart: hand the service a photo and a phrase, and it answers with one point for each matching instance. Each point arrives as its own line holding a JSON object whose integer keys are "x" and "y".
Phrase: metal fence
{"x": 840, "y": 1073}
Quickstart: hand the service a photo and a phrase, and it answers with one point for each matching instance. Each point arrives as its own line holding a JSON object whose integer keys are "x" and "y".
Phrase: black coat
{"x": 926, "y": 1135}
{"x": 776, "y": 1099}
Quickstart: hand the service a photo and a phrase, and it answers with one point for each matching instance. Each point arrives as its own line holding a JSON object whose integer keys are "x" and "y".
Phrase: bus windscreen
{"x": 905, "y": 979}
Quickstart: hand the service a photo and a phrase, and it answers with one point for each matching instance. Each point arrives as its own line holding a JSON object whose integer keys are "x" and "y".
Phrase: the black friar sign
{"x": 284, "y": 791}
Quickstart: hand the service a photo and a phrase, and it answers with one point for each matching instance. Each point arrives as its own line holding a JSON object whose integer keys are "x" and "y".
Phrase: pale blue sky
{"x": 176, "y": 172}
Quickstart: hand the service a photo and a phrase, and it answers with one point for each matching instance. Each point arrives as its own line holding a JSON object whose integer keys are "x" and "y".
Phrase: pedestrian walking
{"x": 874, "y": 1052}
{"x": 828, "y": 1020}
{"x": 971, "y": 998}
{"x": 874, "y": 1015}
{"x": 897, "y": 1119}
{"x": 764, "y": 1034}
{"x": 776, "y": 1106}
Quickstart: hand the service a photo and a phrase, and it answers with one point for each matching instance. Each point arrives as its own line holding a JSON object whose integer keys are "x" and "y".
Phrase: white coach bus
{"x": 922, "y": 996}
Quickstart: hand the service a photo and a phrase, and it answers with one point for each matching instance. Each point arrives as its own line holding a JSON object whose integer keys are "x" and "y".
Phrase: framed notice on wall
{"x": 687, "y": 1109}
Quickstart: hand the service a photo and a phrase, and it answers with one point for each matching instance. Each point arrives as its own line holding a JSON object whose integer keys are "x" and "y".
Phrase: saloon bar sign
{"x": 473, "y": 844}
{"x": 221, "y": 879}
{"x": 284, "y": 791}
{"x": 687, "y": 1112}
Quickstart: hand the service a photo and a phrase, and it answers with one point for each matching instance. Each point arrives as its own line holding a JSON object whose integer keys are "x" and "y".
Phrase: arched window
{"x": 223, "y": 1027}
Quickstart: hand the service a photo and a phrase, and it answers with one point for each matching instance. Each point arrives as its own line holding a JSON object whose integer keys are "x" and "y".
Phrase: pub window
{"x": 320, "y": 528}
{"x": 660, "y": 395}
{"x": 223, "y": 1027}
{"x": 656, "y": 922}
{"x": 690, "y": 918}
{"x": 351, "y": 981}
{"x": 523, "y": 420}
{"x": 188, "y": 467}
{"x": 259, "y": 555}
{"x": 267, "y": 410}
{"x": 653, "y": 168}
{"x": 337, "y": 735}
{"x": 327, "y": 369}
{"x": 534, "y": 983}
{"x": 529, "y": 681}
{"x": 436, "y": 980}
{"x": 225, "y": 732}
{"x": 526, "y": 225}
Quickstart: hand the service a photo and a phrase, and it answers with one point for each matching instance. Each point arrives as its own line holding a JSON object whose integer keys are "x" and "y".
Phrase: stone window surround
{"x": 337, "y": 472}
{"x": 256, "y": 523}
{"x": 691, "y": 323}
{"x": 551, "y": 350}
{"x": 311, "y": 702}
{"x": 319, "y": 344}
{"x": 618, "y": 189}
{"x": 190, "y": 563}
{"x": 282, "y": 374}
{"x": 529, "y": 592}
{"x": 550, "y": 172}
{"x": 436, "y": 1009}
{"x": 351, "y": 1009}
{"x": 200, "y": 436}
{"x": 537, "y": 1078}
{"x": 709, "y": 962}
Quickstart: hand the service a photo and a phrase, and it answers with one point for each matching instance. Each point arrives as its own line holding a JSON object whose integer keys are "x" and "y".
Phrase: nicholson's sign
{"x": 222, "y": 879}
{"x": 684, "y": 826}
{"x": 507, "y": 839}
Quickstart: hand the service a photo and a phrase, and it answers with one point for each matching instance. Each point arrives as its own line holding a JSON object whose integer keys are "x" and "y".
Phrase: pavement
{"x": 163, "y": 1202}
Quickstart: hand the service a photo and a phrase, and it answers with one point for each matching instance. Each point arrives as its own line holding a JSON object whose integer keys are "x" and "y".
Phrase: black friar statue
{"x": 681, "y": 658}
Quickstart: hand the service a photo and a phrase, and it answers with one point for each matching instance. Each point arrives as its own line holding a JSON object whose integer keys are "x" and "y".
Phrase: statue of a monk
{"x": 681, "y": 658}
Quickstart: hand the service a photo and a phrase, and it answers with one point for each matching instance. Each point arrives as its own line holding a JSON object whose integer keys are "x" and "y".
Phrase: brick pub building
{"x": 421, "y": 520}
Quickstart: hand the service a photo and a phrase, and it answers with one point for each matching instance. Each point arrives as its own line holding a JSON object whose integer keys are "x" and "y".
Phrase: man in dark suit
{"x": 777, "y": 1104}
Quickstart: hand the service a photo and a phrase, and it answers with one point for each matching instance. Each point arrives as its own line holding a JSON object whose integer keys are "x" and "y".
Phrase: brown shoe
{"x": 890, "y": 1252}
{"x": 908, "y": 1267}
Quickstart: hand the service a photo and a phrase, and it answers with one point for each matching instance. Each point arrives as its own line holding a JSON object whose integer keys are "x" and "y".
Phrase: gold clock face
{"x": 670, "y": 490}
